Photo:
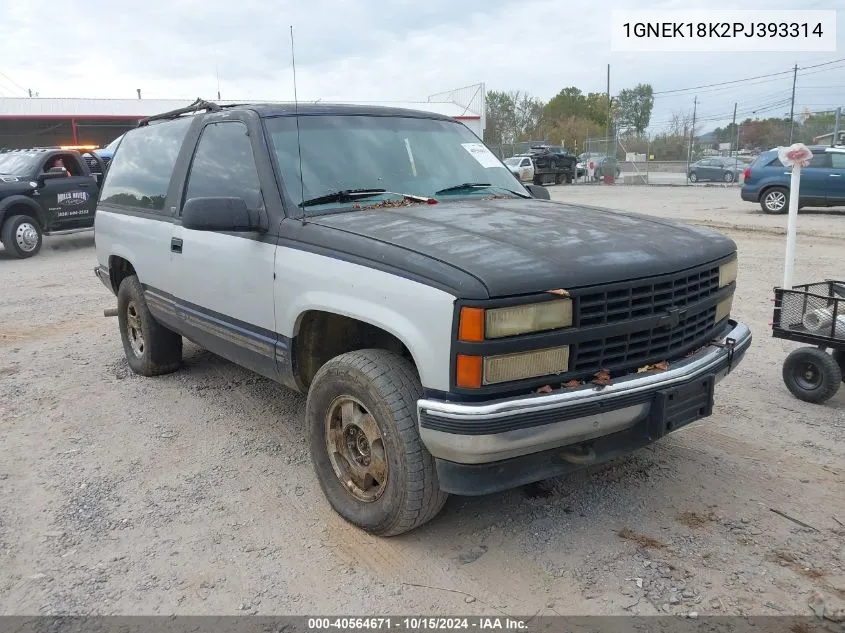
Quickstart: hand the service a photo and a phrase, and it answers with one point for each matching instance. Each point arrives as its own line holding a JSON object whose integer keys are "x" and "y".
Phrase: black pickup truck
{"x": 46, "y": 191}
{"x": 552, "y": 165}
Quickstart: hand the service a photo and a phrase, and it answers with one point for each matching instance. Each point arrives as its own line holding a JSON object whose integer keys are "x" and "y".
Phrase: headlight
{"x": 536, "y": 317}
{"x": 727, "y": 273}
{"x": 524, "y": 365}
{"x": 723, "y": 308}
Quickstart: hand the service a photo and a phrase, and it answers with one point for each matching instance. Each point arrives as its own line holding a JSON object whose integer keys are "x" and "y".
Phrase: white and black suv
{"x": 454, "y": 331}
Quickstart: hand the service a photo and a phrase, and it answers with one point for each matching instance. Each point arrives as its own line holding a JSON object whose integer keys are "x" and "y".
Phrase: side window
{"x": 139, "y": 175}
{"x": 223, "y": 165}
{"x": 526, "y": 162}
{"x": 837, "y": 160}
{"x": 820, "y": 160}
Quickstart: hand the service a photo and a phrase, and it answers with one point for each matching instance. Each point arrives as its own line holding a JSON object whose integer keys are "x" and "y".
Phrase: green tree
{"x": 501, "y": 118}
{"x": 634, "y": 106}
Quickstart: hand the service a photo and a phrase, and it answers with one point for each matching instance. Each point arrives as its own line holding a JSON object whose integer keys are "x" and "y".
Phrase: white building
{"x": 32, "y": 122}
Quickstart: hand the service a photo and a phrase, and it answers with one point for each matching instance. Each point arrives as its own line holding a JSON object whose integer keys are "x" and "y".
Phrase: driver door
{"x": 68, "y": 202}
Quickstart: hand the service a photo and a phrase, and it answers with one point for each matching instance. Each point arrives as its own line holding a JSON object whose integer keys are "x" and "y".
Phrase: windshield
{"x": 407, "y": 155}
{"x": 18, "y": 164}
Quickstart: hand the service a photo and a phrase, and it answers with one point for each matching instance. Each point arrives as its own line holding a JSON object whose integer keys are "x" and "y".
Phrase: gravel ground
{"x": 193, "y": 493}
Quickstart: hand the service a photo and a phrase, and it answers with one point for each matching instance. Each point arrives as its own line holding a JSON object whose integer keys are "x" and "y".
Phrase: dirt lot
{"x": 193, "y": 493}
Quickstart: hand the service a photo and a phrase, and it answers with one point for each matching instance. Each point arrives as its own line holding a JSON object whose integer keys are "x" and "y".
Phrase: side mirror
{"x": 220, "y": 214}
{"x": 539, "y": 192}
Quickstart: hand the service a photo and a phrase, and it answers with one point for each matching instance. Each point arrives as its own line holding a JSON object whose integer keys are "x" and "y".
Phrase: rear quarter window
{"x": 140, "y": 173}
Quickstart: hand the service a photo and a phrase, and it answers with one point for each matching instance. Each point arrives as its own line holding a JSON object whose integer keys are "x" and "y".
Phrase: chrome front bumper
{"x": 488, "y": 432}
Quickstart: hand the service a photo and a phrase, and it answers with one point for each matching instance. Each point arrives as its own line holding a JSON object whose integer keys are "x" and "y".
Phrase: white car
{"x": 521, "y": 167}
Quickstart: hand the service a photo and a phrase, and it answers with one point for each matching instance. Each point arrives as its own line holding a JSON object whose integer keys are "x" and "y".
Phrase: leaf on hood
{"x": 573, "y": 383}
{"x": 560, "y": 292}
{"x": 602, "y": 377}
{"x": 544, "y": 389}
{"x": 661, "y": 366}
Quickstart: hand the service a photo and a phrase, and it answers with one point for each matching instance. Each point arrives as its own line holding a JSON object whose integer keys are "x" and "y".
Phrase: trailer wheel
{"x": 839, "y": 357}
{"x": 811, "y": 374}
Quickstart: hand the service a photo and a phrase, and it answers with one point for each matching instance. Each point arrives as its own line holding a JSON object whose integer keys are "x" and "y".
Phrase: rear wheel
{"x": 151, "y": 349}
{"x": 811, "y": 374}
{"x": 21, "y": 235}
{"x": 365, "y": 446}
{"x": 775, "y": 200}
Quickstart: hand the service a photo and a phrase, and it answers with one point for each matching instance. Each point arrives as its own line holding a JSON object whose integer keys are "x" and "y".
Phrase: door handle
{"x": 176, "y": 244}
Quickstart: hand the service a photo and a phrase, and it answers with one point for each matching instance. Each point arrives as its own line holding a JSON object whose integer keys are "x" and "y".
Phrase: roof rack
{"x": 196, "y": 106}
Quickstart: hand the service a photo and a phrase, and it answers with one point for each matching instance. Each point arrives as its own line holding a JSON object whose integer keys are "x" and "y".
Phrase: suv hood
{"x": 526, "y": 246}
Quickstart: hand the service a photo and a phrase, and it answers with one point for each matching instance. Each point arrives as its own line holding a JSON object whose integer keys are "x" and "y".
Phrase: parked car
{"x": 718, "y": 168}
{"x": 603, "y": 164}
{"x": 767, "y": 181}
{"x": 38, "y": 197}
{"x": 521, "y": 167}
{"x": 384, "y": 262}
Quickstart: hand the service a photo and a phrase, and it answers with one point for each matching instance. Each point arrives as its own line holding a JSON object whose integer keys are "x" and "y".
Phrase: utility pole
{"x": 835, "y": 140}
{"x": 792, "y": 106}
{"x": 609, "y": 110}
{"x": 733, "y": 127}
{"x": 692, "y": 133}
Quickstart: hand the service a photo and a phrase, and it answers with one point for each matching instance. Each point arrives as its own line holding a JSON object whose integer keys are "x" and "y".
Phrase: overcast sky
{"x": 388, "y": 50}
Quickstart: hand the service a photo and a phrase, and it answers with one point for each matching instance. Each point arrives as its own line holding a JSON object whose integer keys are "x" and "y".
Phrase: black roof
{"x": 288, "y": 109}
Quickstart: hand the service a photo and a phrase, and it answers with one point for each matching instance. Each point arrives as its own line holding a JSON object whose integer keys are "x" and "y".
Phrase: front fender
{"x": 6, "y": 204}
{"x": 418, "y": 315}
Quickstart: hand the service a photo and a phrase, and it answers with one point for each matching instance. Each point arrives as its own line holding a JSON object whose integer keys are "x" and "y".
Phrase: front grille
{"x": 624, "y": 304}
{"x": 93, "y": 165}
{"x": 645, "y": 346}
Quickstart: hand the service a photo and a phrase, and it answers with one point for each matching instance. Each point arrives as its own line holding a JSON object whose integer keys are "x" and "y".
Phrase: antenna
{"x": 296, "y": 116}
{"x": 217, "y": 73}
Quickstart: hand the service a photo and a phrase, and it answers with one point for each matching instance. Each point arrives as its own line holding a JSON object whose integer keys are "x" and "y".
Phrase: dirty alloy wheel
{"x": 728, "y": 177}
{"x": 775, "y": 200}
{"x": 365, "y": 447}
{"x": 693, "y": 177}
{"x": 151, "y": 349}
{"x": 811, "y": 374}
{"x": 21, "y": 235}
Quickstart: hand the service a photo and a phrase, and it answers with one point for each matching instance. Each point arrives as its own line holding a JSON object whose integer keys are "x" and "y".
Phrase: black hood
{"x": 524, "y": 246}
{"x": 20, "y": 186}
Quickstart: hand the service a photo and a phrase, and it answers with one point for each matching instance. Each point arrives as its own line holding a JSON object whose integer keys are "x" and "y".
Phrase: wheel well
{"x": 324, "y": 335}
{"x": 768, "y": 188}
{"x": 20, "y": 209}
{"x": 119, "y": 269}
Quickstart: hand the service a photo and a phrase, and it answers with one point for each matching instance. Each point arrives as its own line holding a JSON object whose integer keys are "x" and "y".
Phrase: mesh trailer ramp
{"x": 813, "y": 314}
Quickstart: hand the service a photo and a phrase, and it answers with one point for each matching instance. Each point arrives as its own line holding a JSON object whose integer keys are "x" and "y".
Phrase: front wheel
{"x": 775, "y": 200}
{"x": 693, "y": 177}
{"x": 811, "y": 374}
{"x": 366, "y": 450}
{"x": 21, "y": 235}
{"x": 728, "y": 177}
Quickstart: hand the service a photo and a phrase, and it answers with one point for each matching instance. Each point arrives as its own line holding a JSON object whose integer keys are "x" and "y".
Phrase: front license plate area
{"x": 681, "y": 405}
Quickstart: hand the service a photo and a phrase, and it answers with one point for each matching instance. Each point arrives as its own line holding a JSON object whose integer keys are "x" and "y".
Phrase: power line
{"x": 736, "y": 81}
{"x": 14, "y": 83}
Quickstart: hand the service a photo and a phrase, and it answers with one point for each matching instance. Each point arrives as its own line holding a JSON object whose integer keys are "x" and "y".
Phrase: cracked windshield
{"x": 352, "y": 161}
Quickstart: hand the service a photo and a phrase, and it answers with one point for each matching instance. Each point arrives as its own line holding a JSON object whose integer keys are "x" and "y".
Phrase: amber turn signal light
{"x": 468, "y": 371}
{"x": 471, "y": 325}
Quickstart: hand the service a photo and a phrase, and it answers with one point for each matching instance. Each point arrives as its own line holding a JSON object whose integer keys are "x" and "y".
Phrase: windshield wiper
{"x": 350, "y": 195}
{"x": 346, "y": 195}
{"x": 477, "y": 185}
{"x": 464, "y": 185}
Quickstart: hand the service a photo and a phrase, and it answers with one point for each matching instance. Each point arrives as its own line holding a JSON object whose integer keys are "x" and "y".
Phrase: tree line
{"x": 572, "y": 116}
